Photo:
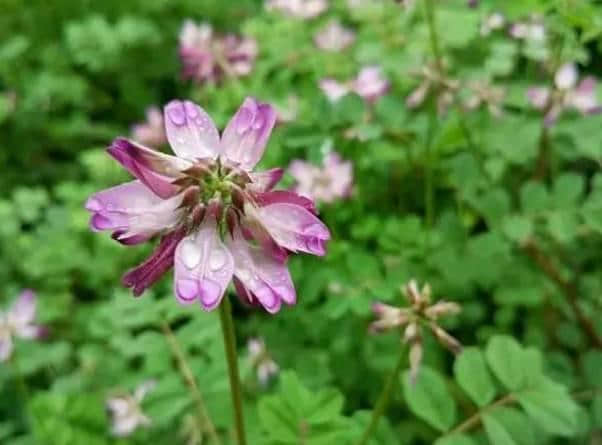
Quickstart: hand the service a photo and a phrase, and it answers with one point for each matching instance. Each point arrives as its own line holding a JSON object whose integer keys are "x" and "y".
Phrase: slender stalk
{"x": 429, "y": 191}
{"x": 476, "y": 418}
{"x": 225, "y": 312}
{"x": 568, "y": 288}
{"x": 188, "y": 376}
{"x": 383, "y": 400}
{"x": 429, "y": 12}
{"x": 21, "y": 384}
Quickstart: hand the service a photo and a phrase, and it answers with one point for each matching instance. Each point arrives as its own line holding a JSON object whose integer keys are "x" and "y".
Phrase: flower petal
{"x": 266, "y": 180}
{"x": 262, "y": 278}
{"x": 133, "y": 212}
{"x": 247, "y": 133}
{"x": 203, "y": 267}
{"x": 566, "y": 77}
{"x": 294, "y": 228}
{"x": 156, "y": 170}
{"x": 190, "y": 131}
{"x": 23, "y": 311}
{"x": 150, "y": 271}
{"x": 539, "y": 97}
{"x": 285, "y": 196}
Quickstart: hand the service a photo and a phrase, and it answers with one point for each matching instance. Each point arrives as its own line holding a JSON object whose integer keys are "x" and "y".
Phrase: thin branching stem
{"x": 225, "y": 312}
{"x": 568, "y": 288}
{"x": 475, "y": 420}
{"x": 188, "y": 376}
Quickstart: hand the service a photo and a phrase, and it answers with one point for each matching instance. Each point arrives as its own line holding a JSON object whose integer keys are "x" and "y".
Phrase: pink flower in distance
{"x": 207, "y": 57}
{"x": 19, "y": 321}
{"x": 125, "y": 410}
{"x": 568, "y": 93}
{"x": 369, "y": 84}
{"x": 151, "y": 132}
{"x": 302, "y": 9}
{"x": 332, "y": 181}
{"x": 217, "y": 219}
{"x": 334, "y": 37}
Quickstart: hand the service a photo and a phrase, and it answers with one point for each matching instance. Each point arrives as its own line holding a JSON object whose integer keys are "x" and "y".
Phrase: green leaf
{"x": 504, "y": 355}
{"x": 456, "y": 439}
{"x": 473, "y": 376}
{"x": 551, "y": 407}
{"x": 496, "y": 432}
{"x": 518, "y": 228}
{"x": 430, "y": 399}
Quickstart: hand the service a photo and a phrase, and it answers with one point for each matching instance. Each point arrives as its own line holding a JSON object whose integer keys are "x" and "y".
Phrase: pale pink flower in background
{"x": 125, "y": 410}
{"x": 568, "y": 93}
{"x": 288, "y": 111}
{"x": 151, "y": 132}
{"x": 334, "y": 37}
{"x": 19, "y": 322}
{"x": 492, "y": 22}
{"x": 327, "y": 183}
{"x": 530, "y": 30}
{"x": 206, "y": 204}
{"x": 208, "y": 57}
{"x": 482, "y": 93}
{"x": 261, "y": 361}
{"x": 370, "y": 84}
{"x": 302, "y": 9}
{"x": 434, "y": 80}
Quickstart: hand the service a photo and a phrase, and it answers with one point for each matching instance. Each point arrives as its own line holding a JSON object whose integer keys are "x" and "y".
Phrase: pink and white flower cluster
{"x": 19, "y": 321}
{"x": 334, "y": 37}
{"x": 301, "y": 9}
{"x": 217, "y": 219}
{"x": 332, "y": 181}
{"x": 152, "y": 131}
{"x": 370, "y": 84}
{"x": 207, "y": 57}
{"x": 568, "y": 93}
{"x": 125, "y": 410}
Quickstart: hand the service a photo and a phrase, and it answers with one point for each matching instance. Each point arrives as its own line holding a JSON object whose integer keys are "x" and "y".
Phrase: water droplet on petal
{"x": 176, "y": 113}
{"x": 191, "y": 254}
{"x": 217, "y": 260}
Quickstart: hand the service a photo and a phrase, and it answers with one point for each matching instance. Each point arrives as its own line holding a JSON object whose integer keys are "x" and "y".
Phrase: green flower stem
{"x": 475, "y": 419}
{"x": 383, "y": 399}
{"x": 188, "y": 376}
{"x": 429, "y": 12}
{"x": 225, "y": 312}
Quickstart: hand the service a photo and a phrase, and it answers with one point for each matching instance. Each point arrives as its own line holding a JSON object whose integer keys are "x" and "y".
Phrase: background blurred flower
{"x": 207, "y": 57}
{"x": 434, "y": 81}
{"x": 303, "y": 9}
{"x": 151, "y": 132}
{"x": 334, "y": 37}
{"x": 492, "y": 22}
{"x": 567, "y": 93}
{"x": 532, "y": 30}
{"x": 369, "y": 84}
{"x": 332, "y": 181}
{"x": 261, "y": 361}
{"x": 18, "y": 321}
{"x": 125, "y": 410}
{"x": 206, "y": 203}
{"x": 482, "y": 93}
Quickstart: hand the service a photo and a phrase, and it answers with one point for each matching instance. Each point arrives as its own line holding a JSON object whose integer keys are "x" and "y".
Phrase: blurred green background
{"x": 498, "y": 213}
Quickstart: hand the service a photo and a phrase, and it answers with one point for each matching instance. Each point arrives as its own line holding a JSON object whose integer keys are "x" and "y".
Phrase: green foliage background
{"x": 83, "y": 72}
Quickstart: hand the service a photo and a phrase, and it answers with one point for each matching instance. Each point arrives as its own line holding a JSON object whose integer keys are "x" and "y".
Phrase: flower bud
{"x": 415, "y": 358}
{"x": 442, "y": 308}
{"x": 445, "y": 339}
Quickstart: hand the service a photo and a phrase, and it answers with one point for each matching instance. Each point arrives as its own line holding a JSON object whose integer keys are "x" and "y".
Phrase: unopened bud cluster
{"x": 413, "y": 320}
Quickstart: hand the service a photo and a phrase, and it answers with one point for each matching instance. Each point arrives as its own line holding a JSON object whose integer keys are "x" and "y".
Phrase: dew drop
{"x": 217, "y": 260}
{"x": 191, "y": 254}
